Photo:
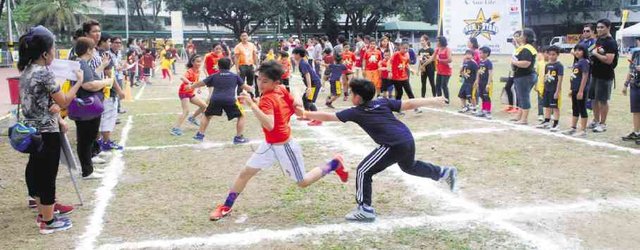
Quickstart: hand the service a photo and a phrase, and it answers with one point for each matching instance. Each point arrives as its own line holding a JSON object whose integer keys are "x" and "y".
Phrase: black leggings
{"x": 579, "y": 107}
{"x": 385, "y": 156}
{"x": 442, "y": 86}
{"x": 423, "y": 78}
{"x": 87, "y": 133}
{"x": 509, "y": 89}
{"x": 42, "y": 169}
{"x": 400, "y": 85}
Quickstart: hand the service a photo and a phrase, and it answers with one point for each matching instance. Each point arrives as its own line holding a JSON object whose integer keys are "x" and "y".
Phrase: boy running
{"x": 395, "y": 139}
{"x": 554, "y": 71}
{"x": 274, "y": 112}
{"x": 484, "y": 82}
{"x": 311, "y": 81}
{"x": 225, "y": 86}
{"x": 335, "y": 73}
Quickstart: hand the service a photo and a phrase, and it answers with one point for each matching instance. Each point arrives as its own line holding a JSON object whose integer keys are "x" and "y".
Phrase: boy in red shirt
{"x": 286, "y": 67}
{"x": 148, "y": 64}
{"x": 349, "y": 60}
{"x": 211, "y": 59}
{"x": 274, "y": 112}
{"x": 371, "y": 59}
{"x": 400, "y": 73}
{"x": 385, "y": 74}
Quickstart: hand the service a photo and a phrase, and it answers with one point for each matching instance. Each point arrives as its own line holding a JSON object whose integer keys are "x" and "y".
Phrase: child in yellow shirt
{"x": 165, "y": 64}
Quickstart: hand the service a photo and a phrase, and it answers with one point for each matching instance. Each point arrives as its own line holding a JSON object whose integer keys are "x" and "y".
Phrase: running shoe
{"x": 199, "y": 137}
{"x": 176, "y": 131}
{"x": 633, "y": 136}
{"x": 315, "y": 123}
{"x": 540, "y": 118}
{"x": 600, "y": 128}
{"x": 592, "y": 125}
{"x": 580, "y": 134}
{"x": 110, "y": 145}
{"x": 39, "y": 218}
{"x": 488, "y": 116}
{"x": 555, "y": 128}
{"x": 221, "y": 211}
{"x": 31, "y": 202}
{"x": 62, "y": 209}
{"x": 362, "y": 214}
{"x": 450, "y": 176}
{"x": 57, "y": 225}
{"x": 240, "y": 140}
{"x": 480, "y": 114}
{"x": 98, "y": 160}
{"x": 544, "y": 125}
{"x": 418, "y": 111}
{"x": 340, "y": 171}
{"x": 329, "y": 105}
{"x": 569, "y": 132}
{"x": 464, "y": 109}
{"x": 193, "y": 121}
{"x": 93, "y": 176}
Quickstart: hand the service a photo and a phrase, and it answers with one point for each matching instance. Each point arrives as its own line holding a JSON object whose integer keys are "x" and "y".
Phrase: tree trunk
{"x": 299, "y": 29}
{"x": 1, "y": 7}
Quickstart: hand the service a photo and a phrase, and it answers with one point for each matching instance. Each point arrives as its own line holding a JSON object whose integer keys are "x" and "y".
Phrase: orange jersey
{"x": 348, "y": 59}
{"x": 211, "y": 63}
{"x": 244, "y": 53}
{"x": 192, "y": 75}
{"x": 286, "y": 66}
{"x": 278, "y": 103}
{"x": 400, "y": 66}
{"x": 372, "y": 57}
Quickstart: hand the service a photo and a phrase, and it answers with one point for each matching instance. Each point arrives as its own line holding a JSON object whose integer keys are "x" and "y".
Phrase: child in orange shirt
{"x": 187, "y": 95}
{"x": 274, "y": 112}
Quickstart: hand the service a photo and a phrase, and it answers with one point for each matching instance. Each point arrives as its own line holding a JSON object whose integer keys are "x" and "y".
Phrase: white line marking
{"x": 104, "y": 193}
{"x": 495, "y": 217}
{"x": 156, "y": 114}
{"x": 544, "y": 132}
{"x": 208, "y": 145}
{"x": 140, "y": 92}
{"x": 5, "y": 116}
{"x": 159, "y": 99}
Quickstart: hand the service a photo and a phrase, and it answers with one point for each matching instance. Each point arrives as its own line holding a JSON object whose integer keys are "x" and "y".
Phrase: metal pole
{"x": 9, "y": 23}
{"x": 126, "y": 19}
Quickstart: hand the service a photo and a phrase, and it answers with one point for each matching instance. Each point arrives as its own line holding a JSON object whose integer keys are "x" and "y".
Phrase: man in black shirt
{"x": 602, "y": 74}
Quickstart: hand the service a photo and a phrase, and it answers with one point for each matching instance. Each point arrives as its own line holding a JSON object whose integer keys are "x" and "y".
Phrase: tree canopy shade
{"x": 61, "y": 16}
{"x": 236, "y": 15}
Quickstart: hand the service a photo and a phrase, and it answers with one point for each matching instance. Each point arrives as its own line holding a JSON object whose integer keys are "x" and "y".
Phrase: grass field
{"x": 520, "y": 187}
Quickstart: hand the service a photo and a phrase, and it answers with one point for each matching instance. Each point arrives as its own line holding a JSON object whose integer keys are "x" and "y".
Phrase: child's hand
{"x": 299, "y": 112}
{"x": 54, "y": 109}
{"x": 556, "y": 95}
{"x": 580, "y": 95}
{"x": 245, "y": 97}
{"x": 488, "y": 88}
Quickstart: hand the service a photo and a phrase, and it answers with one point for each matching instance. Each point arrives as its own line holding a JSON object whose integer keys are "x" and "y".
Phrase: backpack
{"x": 25, "y": 139}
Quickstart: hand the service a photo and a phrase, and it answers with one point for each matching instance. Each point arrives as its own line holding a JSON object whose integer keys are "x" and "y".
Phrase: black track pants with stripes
{"x": 385, "y": 156}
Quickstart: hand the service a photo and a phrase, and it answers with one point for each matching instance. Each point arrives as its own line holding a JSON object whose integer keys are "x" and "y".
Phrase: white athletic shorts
{"x": 109, "y": 115}
{"x": 288, "y": 155}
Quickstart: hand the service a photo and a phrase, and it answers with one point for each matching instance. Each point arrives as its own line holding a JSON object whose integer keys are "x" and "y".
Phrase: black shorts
{"x": 548, "y": 101}
{"x": 386, "y": 84}
{"x": 634, "y": 95}
{"x": 465, "y": 91}
{"x": 285, "y": 82}
{"x": 147, "y": 71}
{"x": 232, "y": 110}
{"x": 336, "y": 88}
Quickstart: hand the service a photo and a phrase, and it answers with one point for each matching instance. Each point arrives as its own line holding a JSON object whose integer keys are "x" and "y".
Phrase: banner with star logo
{"x": 492, "y": 22}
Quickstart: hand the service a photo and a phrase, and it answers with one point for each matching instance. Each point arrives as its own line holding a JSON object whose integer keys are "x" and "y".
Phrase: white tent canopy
{"x": 631, "y": 31}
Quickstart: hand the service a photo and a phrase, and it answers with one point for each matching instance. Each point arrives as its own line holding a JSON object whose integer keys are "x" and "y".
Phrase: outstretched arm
{"x": 420, "y": 102}
{"x": 321, "y": 116}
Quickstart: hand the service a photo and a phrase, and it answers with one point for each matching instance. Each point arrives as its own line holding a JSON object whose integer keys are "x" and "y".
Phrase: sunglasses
{"x": 586, "y": 31}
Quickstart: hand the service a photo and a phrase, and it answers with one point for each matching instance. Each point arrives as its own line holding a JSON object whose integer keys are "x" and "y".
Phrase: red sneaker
{"x": 221, "y": 211}
{"x": 315, "y": 123}
{"x": 344, "y": 175}
{"x": 62, "y": 209}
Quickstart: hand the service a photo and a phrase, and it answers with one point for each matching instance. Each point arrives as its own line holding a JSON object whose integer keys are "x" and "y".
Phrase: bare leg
{"x": 45, "y": 211}
{"x": 204, "y": 123}
{"x": 636, "y": 122}
{"x": 242, "y": 120}
{"x": 243, "y": 178}
{"x": 524, "y": 116}
{"x": 574, "y": 122}
{"x": 201, "y": 106}
{"x": 583, "y": 124}
{"x": 312, "y": 176}
{"x": 556, "y": 114}
{"x": 596, "y": 110}
{"x": 185, "y": 112}
{"x": 547, "y": 113}
{"x": 604, "y": 111}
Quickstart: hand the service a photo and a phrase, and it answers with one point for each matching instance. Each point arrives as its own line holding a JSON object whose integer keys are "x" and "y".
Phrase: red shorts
{"x": 186, "y": 95}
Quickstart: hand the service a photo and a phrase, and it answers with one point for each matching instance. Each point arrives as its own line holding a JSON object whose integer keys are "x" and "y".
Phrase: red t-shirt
{"x": 400, "y": 66}
{"x": 191, "y": 75}
{"x": 372, "y": 58}
{"x": 383, "y": 69}
{"x": 328, "y": 59}
{"x": 286, "y": 66}
{"x": 278, "y": 103}
{"x": 348, "y": 59}
{"x": 361, "y": 55}
{"x": 211, "y": 62}
{"x": 147, "y": 61}
{"x": 442, "y": 68}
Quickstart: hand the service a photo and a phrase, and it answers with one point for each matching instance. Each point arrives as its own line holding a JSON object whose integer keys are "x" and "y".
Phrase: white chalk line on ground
{"x": 140, "y": 92}
{"x": 450, "y": 221}
{"x": 208, "y": 145}
{"x": 544, "y": 132}
{"x": 5, "y": 116}
{"x": 104, "y": 193}
{"x": 428, "y": 188}
{"x": 160, "y": 99}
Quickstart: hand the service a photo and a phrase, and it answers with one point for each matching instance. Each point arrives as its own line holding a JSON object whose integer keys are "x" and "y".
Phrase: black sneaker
{"x": 631, "y": 137}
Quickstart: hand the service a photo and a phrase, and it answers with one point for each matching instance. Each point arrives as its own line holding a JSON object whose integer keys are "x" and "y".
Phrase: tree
{"x": 417, "y": 10}
{"x": 61, "y": 16}
{"x": 238, "y": 15}
{"x": 364, "y": 15}
{"x": 585, "y": 9}
{"x": 308, "y": 12}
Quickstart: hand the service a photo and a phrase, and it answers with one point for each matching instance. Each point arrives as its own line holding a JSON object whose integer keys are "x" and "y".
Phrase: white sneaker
{"x": 93, "y": 176}
{"x": 592, "y": 125}
{"x": 540, "y": 118}
{"x": 600, "y": 128}
{"x": 571, "y": 131}
{"x": 580, "y": 134}
{"x": 544, "y": 125}
{"x": 555, "y": 128}
{"x": 104, "y": 153}
{"x": 98, "y": 160}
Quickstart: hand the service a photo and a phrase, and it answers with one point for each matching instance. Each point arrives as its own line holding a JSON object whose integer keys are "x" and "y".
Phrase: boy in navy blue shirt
{"x": 226, "y": 86}
{"x": 468, "y": 74}
{"x": 395, "y": 139}
{"x": 311, "y": 80}
{"x": 335, "y": 74}
{"x": 553, "y": 73}
{"x": 484, "y": 82}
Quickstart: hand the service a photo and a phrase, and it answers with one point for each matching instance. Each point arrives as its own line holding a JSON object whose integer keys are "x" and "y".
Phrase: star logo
{"x": 482, "y": 25}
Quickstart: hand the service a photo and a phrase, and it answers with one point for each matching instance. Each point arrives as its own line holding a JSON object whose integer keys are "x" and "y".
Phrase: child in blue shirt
{"x": 335, "y": 74}
{"x": 375, "y": 116}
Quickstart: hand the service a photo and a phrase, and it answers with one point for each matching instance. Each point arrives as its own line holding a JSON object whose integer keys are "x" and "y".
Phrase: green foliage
{"x": 61, "y": 16}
